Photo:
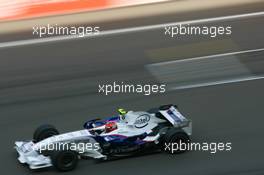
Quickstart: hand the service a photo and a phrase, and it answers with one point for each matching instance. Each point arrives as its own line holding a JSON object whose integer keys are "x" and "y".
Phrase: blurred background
{"x": 217, "y": 82}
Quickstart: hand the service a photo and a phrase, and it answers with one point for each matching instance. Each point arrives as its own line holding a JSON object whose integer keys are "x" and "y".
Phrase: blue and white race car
{"x": 129, "y": 133}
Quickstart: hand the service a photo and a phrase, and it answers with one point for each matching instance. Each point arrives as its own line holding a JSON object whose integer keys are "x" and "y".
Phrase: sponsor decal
{"x": 142, "y": 121}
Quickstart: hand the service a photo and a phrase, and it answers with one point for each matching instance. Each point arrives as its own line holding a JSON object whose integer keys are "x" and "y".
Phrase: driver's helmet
{"x": 122, "y": 114}
{"x": 110, "y": 126}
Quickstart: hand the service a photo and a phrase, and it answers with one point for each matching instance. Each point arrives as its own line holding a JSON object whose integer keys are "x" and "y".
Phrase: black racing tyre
{"x": 173, "y": 139}
{"x": 43, "y": 132}
{"x": 65, "y": 160}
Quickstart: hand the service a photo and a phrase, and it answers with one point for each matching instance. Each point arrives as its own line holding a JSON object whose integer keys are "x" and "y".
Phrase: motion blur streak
{"x": 23, "y": 9}
{"x": 210, "y": 70}
{"x": 209, "y": 56}
{"x": 127, "y": 30}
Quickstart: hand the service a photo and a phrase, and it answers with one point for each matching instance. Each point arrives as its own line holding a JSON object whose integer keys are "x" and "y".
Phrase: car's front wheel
{"x": 43, "y": 132}
{"x": 65, "y": 160}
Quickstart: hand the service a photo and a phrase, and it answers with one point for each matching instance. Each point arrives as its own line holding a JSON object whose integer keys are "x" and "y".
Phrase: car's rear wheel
{"x": 175, "y": 141}
{"x": 65, "y": 160}
{"x": 43, "y": 132}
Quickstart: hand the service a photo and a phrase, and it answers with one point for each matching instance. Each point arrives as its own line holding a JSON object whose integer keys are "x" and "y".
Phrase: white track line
{"x": 218, "y": 82}
{"x": 126, "y": 30}
{"x": 207, "y": 56}
{"x": 227, "y": 81}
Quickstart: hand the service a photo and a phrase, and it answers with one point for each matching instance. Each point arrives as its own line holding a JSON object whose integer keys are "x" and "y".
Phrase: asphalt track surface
{"x": 58, "y": 82}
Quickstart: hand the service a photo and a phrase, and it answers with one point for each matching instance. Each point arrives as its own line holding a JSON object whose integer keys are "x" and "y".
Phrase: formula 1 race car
{"x": 129, "y": 133}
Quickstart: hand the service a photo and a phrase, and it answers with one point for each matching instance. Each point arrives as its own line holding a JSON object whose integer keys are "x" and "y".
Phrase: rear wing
{"x": 174, "y": 116}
